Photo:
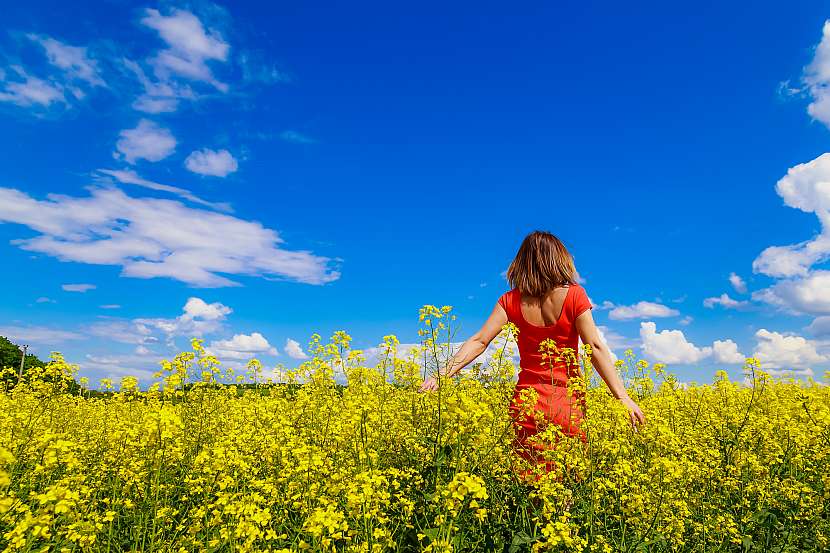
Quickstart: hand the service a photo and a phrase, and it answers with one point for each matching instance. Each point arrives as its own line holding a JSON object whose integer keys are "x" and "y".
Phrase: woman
{"x": 545, "y": 303}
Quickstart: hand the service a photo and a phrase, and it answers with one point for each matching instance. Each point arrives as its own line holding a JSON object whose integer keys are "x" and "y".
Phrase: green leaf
{"x": 520, "y": 539}
{"x": 431, "y": 533}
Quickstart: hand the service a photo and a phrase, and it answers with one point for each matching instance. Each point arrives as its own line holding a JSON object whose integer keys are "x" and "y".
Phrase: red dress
{"x": 550, "y": 377}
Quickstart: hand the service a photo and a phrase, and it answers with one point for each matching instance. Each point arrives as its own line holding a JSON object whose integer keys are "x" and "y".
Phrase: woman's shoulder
{"x": 577, "y": 287}
{"x": 580, "y": 298}
{"x": 509, "y": 293}
{"x": 507, "y": 298}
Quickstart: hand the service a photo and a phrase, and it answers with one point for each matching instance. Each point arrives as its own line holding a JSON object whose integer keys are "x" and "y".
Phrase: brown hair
{"x": 542, "y": 263}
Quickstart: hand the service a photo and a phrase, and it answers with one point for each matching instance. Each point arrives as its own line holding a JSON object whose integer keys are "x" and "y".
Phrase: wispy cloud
{"x": 189, "y": 46}
{"x": 816, "y": 78}
{"x": 25, "y": 90}
{"x": 73, "y": 61}
{"x": 639, "y": 310}
{"x": 158, "y": 97}
{"x": 128, "y": 176}
{"x": 296, "y": 137}
{"x": 78, "y": 287}
{"x": 68, "y": 75}
{"x": 198, "y": 318}
{"x": 737, "y": 283}
{"x": 182, "y": 63}
{"x": 110, "y": 228}
{"x": 724, "y": 300}
{"x": 40, "y": 335}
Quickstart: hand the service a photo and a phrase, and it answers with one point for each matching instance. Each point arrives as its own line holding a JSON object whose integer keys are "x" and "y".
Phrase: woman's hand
{"x": 429, "y": 385}
{"x": 634, "y": 412}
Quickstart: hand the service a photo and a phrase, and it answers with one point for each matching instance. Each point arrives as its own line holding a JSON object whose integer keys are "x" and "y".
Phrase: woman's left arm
{"x": 470, "y": 349}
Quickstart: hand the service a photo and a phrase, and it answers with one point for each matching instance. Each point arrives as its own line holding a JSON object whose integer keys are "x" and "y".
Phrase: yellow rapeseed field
{"x": 209, "y": 460}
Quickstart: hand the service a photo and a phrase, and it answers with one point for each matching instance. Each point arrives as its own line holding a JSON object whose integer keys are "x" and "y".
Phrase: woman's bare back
{"x": 544, "y": 311}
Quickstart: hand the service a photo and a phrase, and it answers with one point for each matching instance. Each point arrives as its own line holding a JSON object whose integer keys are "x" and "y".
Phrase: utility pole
{"x": 22, "y": 359}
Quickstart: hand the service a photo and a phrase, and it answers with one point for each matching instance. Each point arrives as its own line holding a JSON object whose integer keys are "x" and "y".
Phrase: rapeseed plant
{"x": 211, "y": 459}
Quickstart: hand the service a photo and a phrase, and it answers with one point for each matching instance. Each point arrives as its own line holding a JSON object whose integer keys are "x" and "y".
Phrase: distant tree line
{"x": 10, "y": 354}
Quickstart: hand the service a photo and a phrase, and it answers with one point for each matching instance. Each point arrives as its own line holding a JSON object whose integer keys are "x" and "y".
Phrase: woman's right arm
{"x": 601, "y": 359}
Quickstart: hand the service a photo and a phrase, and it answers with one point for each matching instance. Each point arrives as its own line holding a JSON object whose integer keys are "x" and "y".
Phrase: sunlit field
{"x": 208, "y": 459}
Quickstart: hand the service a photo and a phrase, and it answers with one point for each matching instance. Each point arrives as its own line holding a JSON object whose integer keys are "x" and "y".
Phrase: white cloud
{"x": 74, "y": 61}
{"x": 27, "y": 90}
{"x": 128, "y": 176}
{"x": 78, "y": 287}
{"x": 737, "y": 283}
{"x": 123, "y": 331}
{"x": 670, "y": 346}
{"x": 146, "y": 141}
{"x": 817, "y": 78}
{"x": 118, "y": 366}
{"x": 189, "y": 47}
{"x": 641, "y": 310}
{"x": 104, "y": 359}
{"x": 44, "y": 299}
{"x": 726, "y": 351}
{"x": 69, "y": 76}
{"x": 197, "y": 308}
{"x": 158, "y": 97}
{"x": 810, "y": 294}
{"x": 211, "y": 162}
{"x": 293, "y": 349}
{"x": 242, "y": 346}
{"x": 192, "y": 51}
{"x": 800, "y": 288}
{"x": 820, "y": 326}
{"x": 38, "y": 334}
{"x": 110, "y": 228}
{"x": 110, "y": 306}
{"x": 197, "y": 319}
{"x": 782, "y": 351}
{"x": 806, "y": 187}
{"x": 725, "y": 301}
{"x": 181, "y": 67}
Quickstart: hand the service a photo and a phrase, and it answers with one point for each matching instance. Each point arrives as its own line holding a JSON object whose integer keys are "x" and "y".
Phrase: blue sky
{"x": 254, "y": 172}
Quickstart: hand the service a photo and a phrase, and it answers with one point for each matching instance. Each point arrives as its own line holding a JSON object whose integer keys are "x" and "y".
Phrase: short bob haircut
{"x": 542, "y": 263}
